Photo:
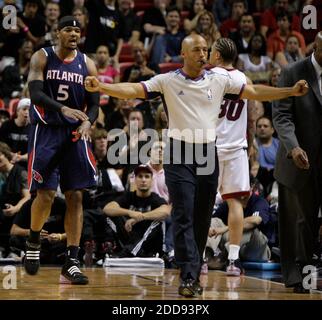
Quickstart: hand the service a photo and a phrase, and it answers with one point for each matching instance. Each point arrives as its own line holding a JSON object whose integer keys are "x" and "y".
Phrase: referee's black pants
{"x": 193, "y": 197}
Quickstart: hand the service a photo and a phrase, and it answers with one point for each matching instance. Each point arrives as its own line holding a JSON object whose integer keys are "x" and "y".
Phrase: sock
{"x": 34, "y": 236}
{"x": 233, "y": 252}
{"x": 72, "y": 252}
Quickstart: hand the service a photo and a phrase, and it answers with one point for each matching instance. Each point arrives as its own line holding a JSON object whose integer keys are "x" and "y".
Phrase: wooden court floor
{"x": 141, "y": 284}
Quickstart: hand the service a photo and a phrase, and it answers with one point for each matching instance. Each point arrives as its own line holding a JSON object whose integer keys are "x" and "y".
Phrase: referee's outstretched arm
{"x": 125, "y": 90}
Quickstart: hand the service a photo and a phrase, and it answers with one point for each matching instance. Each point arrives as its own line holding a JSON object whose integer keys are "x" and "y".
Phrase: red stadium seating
{"x": 126, "y": 53}
{"x": 142, "y": 5}
{"x": 169, "y": 66}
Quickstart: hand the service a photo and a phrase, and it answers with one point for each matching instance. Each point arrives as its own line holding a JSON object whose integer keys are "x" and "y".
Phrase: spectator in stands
{"x": 32, "y": 23}
{"x": 277, "y": 40}
{"x": 80, "y": 13}
{"x": 104, "y": 27}
{"x": 238, "y": 8}
{"x": 267, "y": 150}
{"x": 141, "y": 70}
{"x": 190, "y": 23}
{"x": 167, "y": 47}
{"x": 15, "y": 132}
{"x": 52, "y": 13}
{"x": 255, "y": 63}
{"x": 292, "y": 52}
{"x": 108, "y": 70}
{"x": 14, "y": 192}
{"x": 153, "y": 21}
{"x": 244, "y": 34}
{"x": 257, "y": 229}
{"x": 268, "y": 22}
{"x": 221, "y": 10}
{"x": 207, "y": 28}
{"x": 25, "y": 53}
{"x": 138, "y": 216}
{"x": 130, "y": 21}
{"x": 53, "y": 236}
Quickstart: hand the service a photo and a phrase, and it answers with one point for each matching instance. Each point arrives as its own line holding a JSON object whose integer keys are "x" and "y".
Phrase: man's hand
{"x": 300, "y": 88}
{"x": 300, "y": 158}
{"x": 92, "y": 84}
{"x": 84, "y": 130}
{"x": 217, "y": 231}
{"x": 74, "y": 114}
{"x": 10, "y": 210}
{"x": 136, "y": 215}
{"x": 129, "y": 224}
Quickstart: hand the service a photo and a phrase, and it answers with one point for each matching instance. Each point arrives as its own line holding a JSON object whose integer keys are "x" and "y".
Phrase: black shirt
{"x": 131, "y": 201}
{"x": 104, "y": 27}
{"x": 15, "y": 137}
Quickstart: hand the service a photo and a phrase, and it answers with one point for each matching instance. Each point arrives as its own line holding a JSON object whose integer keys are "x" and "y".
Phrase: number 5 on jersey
{"x": 62, "y": 94}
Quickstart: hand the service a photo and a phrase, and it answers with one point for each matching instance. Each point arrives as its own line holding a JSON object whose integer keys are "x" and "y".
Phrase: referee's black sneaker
{"x": 190, "y": 288}
{"x": 71, "y": 273}
{"x": 32, "y": 258}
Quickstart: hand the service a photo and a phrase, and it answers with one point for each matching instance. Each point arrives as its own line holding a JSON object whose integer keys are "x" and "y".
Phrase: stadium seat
{"x": 169, "y": 66}
{"x": 126, "y": 53}
{"x": 184, "y": 15}
{"x": 141, "y": 5}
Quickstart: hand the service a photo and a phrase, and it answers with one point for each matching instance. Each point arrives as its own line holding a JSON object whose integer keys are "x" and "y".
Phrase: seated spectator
{"x": 138, "y": 217}
{"x": 108, "y": 70}
{"x": 190, "y": 23}
{"x": 25, "y": 53}
{"x": 167, "y": 47}
{"x": 80, "y": 13}
{"x": 141, "y": 70}
{"x": 130, "y": 22}
{"x": 32, "y": 23}
{"x": 104, "y": 27}
{"x": 52, "y": 13}
{"x": 292, "y": 52}
{"x": 153, "y": 21}
{"x": 244, "y": 34}
{"x": 268, "y": 22}
{"x": 255, "y": 63}
{"x": 53, "y": 236}
{"x": 256, "y": 231}
{"x": 267, "y": 149}
{"x": 207, "y": 28}
{"x": 238, "y": 8}
{"x": 277, "y": 40}
{"x": 15, "y": 132}
{"x": 14, "y": 192}
{"x": 221, "y": 10}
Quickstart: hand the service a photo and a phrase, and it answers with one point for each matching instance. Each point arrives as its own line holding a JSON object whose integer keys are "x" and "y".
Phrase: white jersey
{"x": 193, "y": 105}
{"x": 232, "y": 122}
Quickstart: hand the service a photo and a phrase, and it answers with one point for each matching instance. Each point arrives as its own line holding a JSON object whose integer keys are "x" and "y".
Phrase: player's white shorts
{"x": 233, "y": 181}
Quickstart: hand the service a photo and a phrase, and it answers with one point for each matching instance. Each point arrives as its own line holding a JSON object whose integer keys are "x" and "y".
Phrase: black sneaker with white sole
{"x": 71, "y": 273}
{"x": 32, "y": 258}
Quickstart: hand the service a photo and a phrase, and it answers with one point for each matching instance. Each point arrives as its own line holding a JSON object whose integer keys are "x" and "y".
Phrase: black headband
{"x": 68, "y": 21}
